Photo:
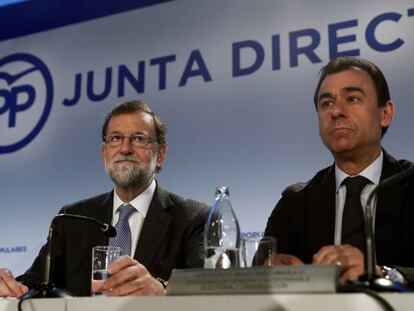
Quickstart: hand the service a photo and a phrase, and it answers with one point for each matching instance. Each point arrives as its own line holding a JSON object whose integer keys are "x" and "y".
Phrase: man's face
{"x": 127, "y": 165}
{"x": 350, "y": 121}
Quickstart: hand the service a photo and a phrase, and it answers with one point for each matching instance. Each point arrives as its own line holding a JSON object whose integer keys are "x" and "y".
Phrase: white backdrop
{"x": 256, "y": 132}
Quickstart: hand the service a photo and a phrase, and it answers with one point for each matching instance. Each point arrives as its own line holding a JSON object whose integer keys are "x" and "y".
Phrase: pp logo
{"x": 26, "y": 97}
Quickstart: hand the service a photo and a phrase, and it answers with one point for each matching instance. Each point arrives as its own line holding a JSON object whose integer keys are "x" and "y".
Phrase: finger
{"x": 326, "y": 255}
{"x": 351, "y": 274}
{"x": 9, "y": 286}
{"x": 155, "y": 290}
{"x": 278, "y": 259}
{"x": 378, "y": 271}
{"x": 5, "y": 291}
{"x": 295, "y": 261}
{"x": 120, "y": 264}
{"x": 127, "y": 288}
{"x": 11, "y": 290}
{"x": 285, "y": 259}
{"x": 128, "y": 273}
{"x": 318, "y": 256}
{"x": 145, "y": 286}
{"x": 334, "y": 258}
{"x": 336, "y": 255}
{"x": 23, "y": 289}
{"x": 351, "y": 256}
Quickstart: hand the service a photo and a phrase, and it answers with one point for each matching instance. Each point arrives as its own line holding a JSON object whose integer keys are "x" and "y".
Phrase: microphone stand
{"x": 370, "y": 280}
{"x": 47, "y": 289}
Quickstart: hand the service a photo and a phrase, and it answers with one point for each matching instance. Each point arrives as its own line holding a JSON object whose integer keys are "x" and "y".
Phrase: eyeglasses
{"x": 137, "y": 140}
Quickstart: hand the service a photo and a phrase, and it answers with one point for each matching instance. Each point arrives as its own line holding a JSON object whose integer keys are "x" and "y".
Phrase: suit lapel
{"x": 387, "y": 210}
{"x": 102, "y": 212}
{"x": 155, "y": 227}
{"x": 386, "y": 196}
{"x": 321, "y": 211}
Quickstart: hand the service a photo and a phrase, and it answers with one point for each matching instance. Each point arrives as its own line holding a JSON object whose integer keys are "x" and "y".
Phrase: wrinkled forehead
{"x": 347, "y": 79}
{"x": 133, "y": 122}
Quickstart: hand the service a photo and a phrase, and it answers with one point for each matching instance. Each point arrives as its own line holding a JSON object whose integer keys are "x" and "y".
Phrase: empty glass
{"x": 257, "y": 251}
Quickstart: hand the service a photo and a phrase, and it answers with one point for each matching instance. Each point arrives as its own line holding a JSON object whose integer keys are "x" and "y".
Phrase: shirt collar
{"x": 372, "y": 172}
{"x": 141, "y": 203}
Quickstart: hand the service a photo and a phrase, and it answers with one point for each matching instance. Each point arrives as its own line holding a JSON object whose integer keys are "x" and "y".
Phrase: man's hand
{"x": 9, "y": 287}
{"x": 349, "y": 258}
{"x": 284, "y": 259}
{"x": 129, "y": 278}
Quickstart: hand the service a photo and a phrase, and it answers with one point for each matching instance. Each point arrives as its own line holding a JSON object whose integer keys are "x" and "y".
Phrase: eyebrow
{"x": 120, "y": 133}
{"x": 324, "y": 95}
{"x": 348, "y": 89}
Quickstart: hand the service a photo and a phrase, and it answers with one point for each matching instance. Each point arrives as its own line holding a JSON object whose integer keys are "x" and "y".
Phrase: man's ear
{"x": 161, "y": 153}
{"x": 387, "y": 114}
{"x": 103, "y": 153}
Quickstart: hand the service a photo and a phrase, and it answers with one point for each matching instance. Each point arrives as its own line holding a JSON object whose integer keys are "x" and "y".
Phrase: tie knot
{"x": 354, "y": 185}
{"x": 125, "y": 210}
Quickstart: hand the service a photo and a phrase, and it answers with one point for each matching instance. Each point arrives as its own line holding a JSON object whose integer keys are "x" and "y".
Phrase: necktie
{"x": 353, "y": 215}
{"x": 123, "y": 231}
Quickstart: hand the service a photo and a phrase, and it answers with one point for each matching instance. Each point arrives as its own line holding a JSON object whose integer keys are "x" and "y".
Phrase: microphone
{"x": 370, "y": 257}
{"x": 46, "y": 288}
{"x": 109, "y": 230}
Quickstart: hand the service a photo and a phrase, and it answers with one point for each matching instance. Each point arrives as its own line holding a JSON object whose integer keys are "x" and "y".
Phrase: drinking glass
{"x": 102, "y": 257}
{"x": 257, "y": 251}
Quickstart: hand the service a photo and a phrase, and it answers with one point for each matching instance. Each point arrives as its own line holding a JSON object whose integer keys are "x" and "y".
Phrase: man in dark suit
{"x": 310, "y": 221}
{"x": 166, "y": 230}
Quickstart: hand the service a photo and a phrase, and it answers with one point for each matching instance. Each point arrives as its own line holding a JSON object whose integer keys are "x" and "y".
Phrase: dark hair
{"x": 137, "y": 106}
{"x": 345, "y": 63}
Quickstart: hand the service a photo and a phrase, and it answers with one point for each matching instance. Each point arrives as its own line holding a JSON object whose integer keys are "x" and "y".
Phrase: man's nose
{"x": 126, "y": 146}
{"x": 339, "y": 109}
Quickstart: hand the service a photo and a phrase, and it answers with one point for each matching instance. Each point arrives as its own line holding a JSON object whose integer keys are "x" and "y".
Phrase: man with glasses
{"x": 165, "y": 231}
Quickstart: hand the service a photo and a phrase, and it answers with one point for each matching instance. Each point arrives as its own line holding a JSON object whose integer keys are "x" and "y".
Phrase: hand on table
{"x": 349, "y": 258}
{"x": 130, "y": 278}
{"x": 284, "y": 259}
{"x": 9, "y": 287}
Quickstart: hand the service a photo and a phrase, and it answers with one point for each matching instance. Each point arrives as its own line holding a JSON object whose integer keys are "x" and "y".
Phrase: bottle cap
{"x": 222, "y": 191}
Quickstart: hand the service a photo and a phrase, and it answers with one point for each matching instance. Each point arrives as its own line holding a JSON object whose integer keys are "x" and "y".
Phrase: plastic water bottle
{"x": 222, "y": 233}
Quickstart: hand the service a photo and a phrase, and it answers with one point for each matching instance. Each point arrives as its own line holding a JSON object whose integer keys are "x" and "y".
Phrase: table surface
{"x": 282, "y": 302}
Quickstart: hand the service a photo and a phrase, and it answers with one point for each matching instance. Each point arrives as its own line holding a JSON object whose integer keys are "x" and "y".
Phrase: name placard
{"x": 256, "y": 280}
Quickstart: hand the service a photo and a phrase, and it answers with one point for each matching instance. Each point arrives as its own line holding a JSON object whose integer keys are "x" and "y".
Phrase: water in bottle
{"x": 222, "y": 233}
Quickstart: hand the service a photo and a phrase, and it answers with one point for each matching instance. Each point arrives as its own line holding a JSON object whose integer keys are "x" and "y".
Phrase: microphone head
{"x": 110, "y": 231}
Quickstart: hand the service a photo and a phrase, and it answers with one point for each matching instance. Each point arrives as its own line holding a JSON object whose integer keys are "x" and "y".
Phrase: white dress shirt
{"x": 373, "y": 174}
{"x": 141, "y": 203}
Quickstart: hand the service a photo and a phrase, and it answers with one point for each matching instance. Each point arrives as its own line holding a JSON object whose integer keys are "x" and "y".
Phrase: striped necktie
{"x": 123, "y": 231}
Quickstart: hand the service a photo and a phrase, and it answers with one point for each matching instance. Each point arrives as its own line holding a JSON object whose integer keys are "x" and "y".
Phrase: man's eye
{"x": 353, "y": 99}
{"x": 115, "y": 138}
{"x": 325, "y": 104}
{"x": 139, "y": 138}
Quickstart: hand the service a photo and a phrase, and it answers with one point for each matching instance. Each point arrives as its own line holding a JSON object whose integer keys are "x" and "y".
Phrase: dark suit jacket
{"x": 171, "y": 237}
{"x": 304, "y": 219}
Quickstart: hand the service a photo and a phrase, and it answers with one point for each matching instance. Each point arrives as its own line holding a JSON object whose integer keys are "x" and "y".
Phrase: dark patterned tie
{"x": 123, "y": 231}
{"x": 353, "y": 215}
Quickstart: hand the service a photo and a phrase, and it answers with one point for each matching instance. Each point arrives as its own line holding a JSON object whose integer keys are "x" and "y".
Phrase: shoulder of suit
{"x": 402, "y": 163}
{"x": 88, "y": 202}
{"x": 185, "y": 208}
{"x": 301, "y": 186}
{"x": 179, "y": 200}
{"x": 297, "y": 187}
{"x": 406, "y": 164}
